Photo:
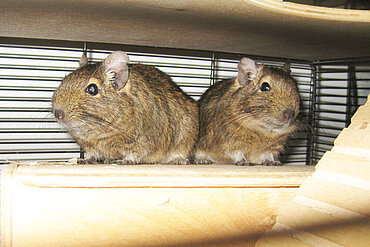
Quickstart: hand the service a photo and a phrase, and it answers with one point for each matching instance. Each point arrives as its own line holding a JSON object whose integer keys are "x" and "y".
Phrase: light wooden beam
{"x": 142, "y": 205}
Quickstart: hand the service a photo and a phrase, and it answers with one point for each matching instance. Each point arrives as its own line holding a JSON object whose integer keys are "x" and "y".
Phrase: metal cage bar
{"x": 341, "y": 87}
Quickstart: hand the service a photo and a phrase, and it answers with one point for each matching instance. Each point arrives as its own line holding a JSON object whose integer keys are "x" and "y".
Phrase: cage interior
{"x": 330, "y": 92}
{"x": 196, "y": 43}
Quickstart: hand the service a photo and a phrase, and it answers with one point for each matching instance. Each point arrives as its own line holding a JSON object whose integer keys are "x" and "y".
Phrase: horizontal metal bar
{"x": 27, "y": 120}
{"x": 344, "y": 87}
{"x": 326, "y": 127}
{"x": 321, "y": 150}
{"x": 28, "y": 89}
{"x": 330, "y": 103}
{"x": 40, "y": 141}
{"x": 329, "y": 119}
{"x": 340, "y": 96}
{"x": 340, "y": 71}
{"x": 344, "y": 61}
{"x": 34, "y": 131}
{"x": 332, "y": 112}
{"x": 41, "y": 151}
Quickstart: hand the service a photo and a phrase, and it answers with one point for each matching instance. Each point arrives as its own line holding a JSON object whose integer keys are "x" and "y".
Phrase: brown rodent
{"x": 126, "y": 113}
{"x": 246, "y": 120}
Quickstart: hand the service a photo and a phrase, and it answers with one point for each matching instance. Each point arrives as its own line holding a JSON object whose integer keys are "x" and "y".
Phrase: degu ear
{"x": 247, "y": 71}
{"x": 286, "y": 67}
{"x": 83, "y": 60}
{"x": 116, "y": 69}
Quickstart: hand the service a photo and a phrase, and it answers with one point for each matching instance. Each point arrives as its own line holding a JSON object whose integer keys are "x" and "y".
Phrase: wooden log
{"x": 144, "y": 205}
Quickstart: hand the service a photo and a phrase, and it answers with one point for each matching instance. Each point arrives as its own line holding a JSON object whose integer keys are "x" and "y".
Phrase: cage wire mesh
{"x": 340, "y": 88}
{"x": 29, "y": 75}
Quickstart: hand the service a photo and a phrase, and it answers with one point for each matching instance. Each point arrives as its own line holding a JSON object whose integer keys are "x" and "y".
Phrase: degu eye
{"x": 92, "y": 89}
{"x": 265, "y": 87}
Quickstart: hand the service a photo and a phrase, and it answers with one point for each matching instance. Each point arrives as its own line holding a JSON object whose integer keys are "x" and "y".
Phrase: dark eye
{"x": 92, "y": 89}
{"x": 265, "y": 87}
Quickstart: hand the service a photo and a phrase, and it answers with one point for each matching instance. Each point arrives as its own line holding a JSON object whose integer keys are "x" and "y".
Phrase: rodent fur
{"x": 240, "y": 123}
{"x": 138, "y": 116}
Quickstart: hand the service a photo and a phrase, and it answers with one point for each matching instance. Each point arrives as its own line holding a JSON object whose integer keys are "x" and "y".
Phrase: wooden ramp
{"x": 332, "y": 208}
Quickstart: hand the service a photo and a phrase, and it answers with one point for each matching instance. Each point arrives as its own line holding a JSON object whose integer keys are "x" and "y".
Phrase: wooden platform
{"x": 143, "y": 205}
{"x": 255, "y": 27}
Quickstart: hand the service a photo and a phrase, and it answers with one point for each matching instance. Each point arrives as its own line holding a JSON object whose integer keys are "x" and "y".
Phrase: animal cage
{"x": 330, "y": 91}
{"x": 319, "y": 197}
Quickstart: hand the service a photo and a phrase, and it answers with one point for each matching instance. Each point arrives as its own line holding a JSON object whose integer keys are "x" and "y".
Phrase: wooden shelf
{"x": 258, "y": 27}
{"x": 142, "y": 205}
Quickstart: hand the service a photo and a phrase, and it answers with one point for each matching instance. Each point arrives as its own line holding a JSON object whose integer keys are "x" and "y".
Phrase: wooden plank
{"x": 281, "y": 240}
{"x": 263, "y": 27}
{"x": 345, "y": 164}
{"x": 362, "y": 115}
{"x": 349, "y": 232}
{"x": 139, "y": 205}
{"x": 354, "y": 138}
{"x": 309, "y": 10}
{"x": 138, "y": 217}
{"x": 283, "y": 235}
{"x": 343, "y": 196}
{"x": 54, "y": 175}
